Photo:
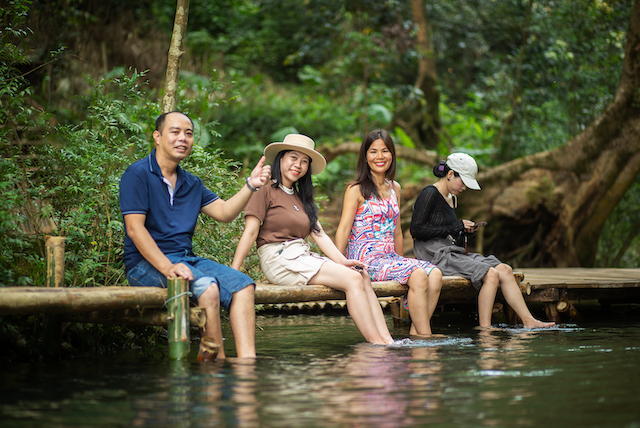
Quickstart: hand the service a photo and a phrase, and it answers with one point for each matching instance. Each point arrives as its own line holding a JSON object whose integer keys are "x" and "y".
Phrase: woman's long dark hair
{"x": 303, "y": 188}
{"x": 363, "y": 172}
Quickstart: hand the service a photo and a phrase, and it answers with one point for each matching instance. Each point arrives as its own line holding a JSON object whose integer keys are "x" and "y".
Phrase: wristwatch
{"x": 253, "y": 189}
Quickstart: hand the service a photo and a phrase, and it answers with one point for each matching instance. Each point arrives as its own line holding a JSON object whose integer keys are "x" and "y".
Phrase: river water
{"x": 314, "y": 371}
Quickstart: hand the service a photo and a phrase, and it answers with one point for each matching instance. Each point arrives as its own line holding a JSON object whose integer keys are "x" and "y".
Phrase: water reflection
{"x": 310, "y": 374}
{"x": 372, "y": 386}
{"x": 384, "y": 387}
{"x": 500, "y": 352}
{"x": 202, "y": 394}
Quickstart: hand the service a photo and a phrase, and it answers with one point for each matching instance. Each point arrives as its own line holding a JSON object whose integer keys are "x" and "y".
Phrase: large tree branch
{"x": 554, "y": 204}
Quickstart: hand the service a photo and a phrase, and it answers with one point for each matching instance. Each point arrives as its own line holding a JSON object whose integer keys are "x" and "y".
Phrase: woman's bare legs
{"x": 487, "y": 296}
{"x": 424, "y": 292}
{"x": 511, "y": 293}
{"x": 352, "y": 283}
{"x": 376, "y": 309}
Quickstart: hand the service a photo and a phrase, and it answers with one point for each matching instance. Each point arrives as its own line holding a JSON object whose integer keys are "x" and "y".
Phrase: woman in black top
{"x": 439, "y": 237}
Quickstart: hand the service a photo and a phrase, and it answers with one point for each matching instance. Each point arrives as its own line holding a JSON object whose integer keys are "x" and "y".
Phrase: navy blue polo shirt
{"x": 170, "y": 221}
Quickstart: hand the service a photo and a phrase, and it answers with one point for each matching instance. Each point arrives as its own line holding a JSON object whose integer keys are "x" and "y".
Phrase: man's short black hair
{"x": 160, "y": 120}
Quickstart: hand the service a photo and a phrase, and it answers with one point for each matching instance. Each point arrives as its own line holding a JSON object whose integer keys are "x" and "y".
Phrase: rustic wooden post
{"x": 552, "y": 313}
{"x": 178, "y": 320}
{"x": 55, "y": 260}
{"x": 54, "y": 246}
{"x": 399, "y": 313}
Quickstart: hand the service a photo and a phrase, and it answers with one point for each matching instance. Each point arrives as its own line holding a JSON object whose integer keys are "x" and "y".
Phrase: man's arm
{"x": 227, "y": 211}
{"x": 148, "y": 248}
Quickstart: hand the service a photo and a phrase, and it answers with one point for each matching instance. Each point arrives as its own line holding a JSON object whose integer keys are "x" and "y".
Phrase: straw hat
{"x": 466, "y": 167}
{"x": 299, "y": 143}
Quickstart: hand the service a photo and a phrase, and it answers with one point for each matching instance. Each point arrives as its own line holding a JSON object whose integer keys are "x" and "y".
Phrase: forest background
{"x": 510, "y": 82}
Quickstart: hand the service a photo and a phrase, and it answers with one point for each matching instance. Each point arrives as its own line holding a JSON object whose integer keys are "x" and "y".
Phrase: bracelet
{"x": 253, "y": 189}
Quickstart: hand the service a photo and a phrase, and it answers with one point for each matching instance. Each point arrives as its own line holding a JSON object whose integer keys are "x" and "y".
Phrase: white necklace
{"x": 289, "y": 191}
{"x": 285, "y": 189}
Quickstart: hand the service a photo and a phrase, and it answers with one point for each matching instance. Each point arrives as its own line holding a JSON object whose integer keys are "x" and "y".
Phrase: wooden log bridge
{"x": 142, "y": 303}
{"x": 557, "y": 288}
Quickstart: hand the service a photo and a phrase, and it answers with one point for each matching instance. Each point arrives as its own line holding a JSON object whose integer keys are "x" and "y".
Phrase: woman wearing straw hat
{"x": 440, "y": 237}
{"x": 280, "y": 216}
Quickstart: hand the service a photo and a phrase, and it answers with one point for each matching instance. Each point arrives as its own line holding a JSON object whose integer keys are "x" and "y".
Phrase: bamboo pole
{"x": 178, "y": 321}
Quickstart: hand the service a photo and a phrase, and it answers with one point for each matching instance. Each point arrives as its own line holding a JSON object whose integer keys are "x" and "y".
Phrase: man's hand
{"x": 181, "y": 270}
{"x": 261, "y": 174}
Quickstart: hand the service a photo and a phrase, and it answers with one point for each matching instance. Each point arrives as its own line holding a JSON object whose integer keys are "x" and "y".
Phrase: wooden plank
{"x": 550, "y": 284}
{"x": 554, "y": 277}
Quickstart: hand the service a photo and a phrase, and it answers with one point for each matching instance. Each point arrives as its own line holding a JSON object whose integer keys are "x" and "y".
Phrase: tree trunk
{"x": 175, "y": 55}
{"x": 420, "y": 118}
{"x": 548, "y": 209}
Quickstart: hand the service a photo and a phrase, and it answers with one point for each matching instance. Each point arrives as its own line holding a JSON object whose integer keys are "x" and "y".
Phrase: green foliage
{"x": 75, "y": 182}
{"x": 81, "y": 171}
{"x": 20, "y": 126}
{"x": 470, "y": 127}
{"x": 621, "y": 230}
{"x": 553, "y": 85}
{"x": 248, "y": 124}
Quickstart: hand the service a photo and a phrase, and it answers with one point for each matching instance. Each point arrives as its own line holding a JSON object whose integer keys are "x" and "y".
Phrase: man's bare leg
{"x": 242, "y": 315}
{"x": 210, "y": 301}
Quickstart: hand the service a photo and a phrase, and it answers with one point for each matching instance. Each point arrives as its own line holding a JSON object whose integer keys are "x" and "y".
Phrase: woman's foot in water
{"x": 534, "y": 323}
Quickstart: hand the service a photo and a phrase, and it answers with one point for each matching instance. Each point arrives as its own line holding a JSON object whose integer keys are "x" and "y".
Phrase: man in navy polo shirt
{"x": 160, "y": 203}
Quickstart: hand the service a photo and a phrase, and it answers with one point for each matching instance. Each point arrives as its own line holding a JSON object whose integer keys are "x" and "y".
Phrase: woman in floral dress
{"x": 369, "y": 225}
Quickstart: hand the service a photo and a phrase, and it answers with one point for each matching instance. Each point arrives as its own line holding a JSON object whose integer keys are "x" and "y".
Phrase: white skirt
{"x": 290, "y": 262}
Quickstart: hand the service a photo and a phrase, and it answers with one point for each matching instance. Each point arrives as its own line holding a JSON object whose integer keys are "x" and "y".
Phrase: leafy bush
{"x": 75, "y": 183}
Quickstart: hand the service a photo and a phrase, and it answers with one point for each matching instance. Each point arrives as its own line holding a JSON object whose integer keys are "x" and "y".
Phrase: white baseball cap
{"x": 466, "y": 167}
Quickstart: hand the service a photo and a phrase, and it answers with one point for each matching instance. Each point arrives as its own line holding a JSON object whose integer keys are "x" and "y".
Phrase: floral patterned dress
{"x": 372, "y": 241}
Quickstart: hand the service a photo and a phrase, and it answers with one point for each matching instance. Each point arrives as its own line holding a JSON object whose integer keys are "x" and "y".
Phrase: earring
{"x": 448, "y": 179}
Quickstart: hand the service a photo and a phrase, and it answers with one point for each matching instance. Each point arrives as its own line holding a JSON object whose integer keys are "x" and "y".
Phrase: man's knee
{"x": 247, "y": 292}
{"x": 210, "y": 296}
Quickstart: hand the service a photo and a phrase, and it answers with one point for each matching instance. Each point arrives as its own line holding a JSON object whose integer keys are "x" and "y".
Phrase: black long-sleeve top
{"x": 433, "y": 217}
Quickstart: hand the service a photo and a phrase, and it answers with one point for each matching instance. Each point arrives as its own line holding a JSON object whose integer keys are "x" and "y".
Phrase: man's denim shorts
{"x": 205, "y": 273}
